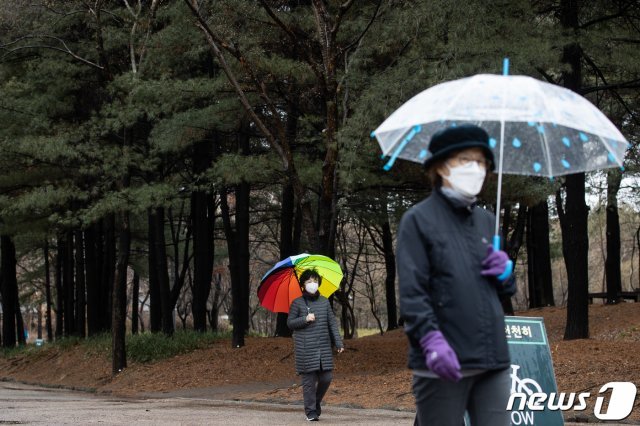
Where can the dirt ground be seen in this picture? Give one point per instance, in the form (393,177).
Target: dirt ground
(371,373)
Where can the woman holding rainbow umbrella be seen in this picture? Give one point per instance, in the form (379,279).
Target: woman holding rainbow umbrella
(300,286)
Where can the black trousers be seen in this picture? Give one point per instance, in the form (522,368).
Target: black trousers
(314,386)
(483,396)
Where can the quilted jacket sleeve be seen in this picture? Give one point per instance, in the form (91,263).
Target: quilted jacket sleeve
(333,328)
(413,271)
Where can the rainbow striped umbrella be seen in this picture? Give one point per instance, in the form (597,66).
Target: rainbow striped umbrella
(280,286)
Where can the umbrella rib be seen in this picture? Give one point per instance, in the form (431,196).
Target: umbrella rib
(412,132)
(610,149)
(545,148)
(544,139)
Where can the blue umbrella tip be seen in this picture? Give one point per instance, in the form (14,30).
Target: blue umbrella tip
(387,167)
(373,134)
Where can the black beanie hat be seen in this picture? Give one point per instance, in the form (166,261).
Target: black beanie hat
(453,139)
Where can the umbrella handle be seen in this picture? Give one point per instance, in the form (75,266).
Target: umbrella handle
(509,269)
(496,242)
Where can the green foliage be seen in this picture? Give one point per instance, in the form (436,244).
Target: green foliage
(149,347)
(141,348)
(71,129)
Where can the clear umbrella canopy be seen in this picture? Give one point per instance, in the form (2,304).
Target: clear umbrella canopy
(548,130)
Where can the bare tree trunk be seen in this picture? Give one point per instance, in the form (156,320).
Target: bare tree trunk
(162,272)
(47,290)
(574,221)
(9,290)
(612,264)
(214,312)
(135,296)
(119,304)
(22,338)
(390,280)
(108,266)
(93,237)
(287,218)
(119,295)
(68,284)
(202,210)
(81,298)
(539,257)
(575,245)
(60,253)
(238,244)
(155,306)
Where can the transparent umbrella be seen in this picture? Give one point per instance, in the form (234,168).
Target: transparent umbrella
(535,128)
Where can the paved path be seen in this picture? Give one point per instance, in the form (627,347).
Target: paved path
(24,404)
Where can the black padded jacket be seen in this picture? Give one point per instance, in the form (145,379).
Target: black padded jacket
(313,341)
(440,250)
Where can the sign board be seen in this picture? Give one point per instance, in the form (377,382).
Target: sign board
(531,369)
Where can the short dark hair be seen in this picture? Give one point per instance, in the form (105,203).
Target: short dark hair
(310,273)
(432,173)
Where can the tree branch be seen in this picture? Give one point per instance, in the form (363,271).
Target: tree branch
(546,75)
(375,242)
(366,29)
(306,51)
(278,21)
(633,84)
(610,87)
(620,14)
(38,46)
(211,38)
(344,8)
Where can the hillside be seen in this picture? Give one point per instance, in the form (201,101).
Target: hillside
(371,373)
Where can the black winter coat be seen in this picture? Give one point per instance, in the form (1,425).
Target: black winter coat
(440,250)
(313,340)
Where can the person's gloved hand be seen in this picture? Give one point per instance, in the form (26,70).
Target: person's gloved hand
(439,356)
(497,264)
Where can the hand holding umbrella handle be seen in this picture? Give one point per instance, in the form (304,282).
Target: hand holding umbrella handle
(508,268)
(311,317)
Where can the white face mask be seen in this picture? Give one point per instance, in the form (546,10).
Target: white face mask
(467,179)
(311,287)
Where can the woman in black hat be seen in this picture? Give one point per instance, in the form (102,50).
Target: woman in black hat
(450,282)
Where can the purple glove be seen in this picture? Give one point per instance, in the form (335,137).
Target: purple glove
(496,263)
(439,356)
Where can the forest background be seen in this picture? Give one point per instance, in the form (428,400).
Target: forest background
(157,157)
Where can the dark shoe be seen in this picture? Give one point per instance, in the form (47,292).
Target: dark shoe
(312,418)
